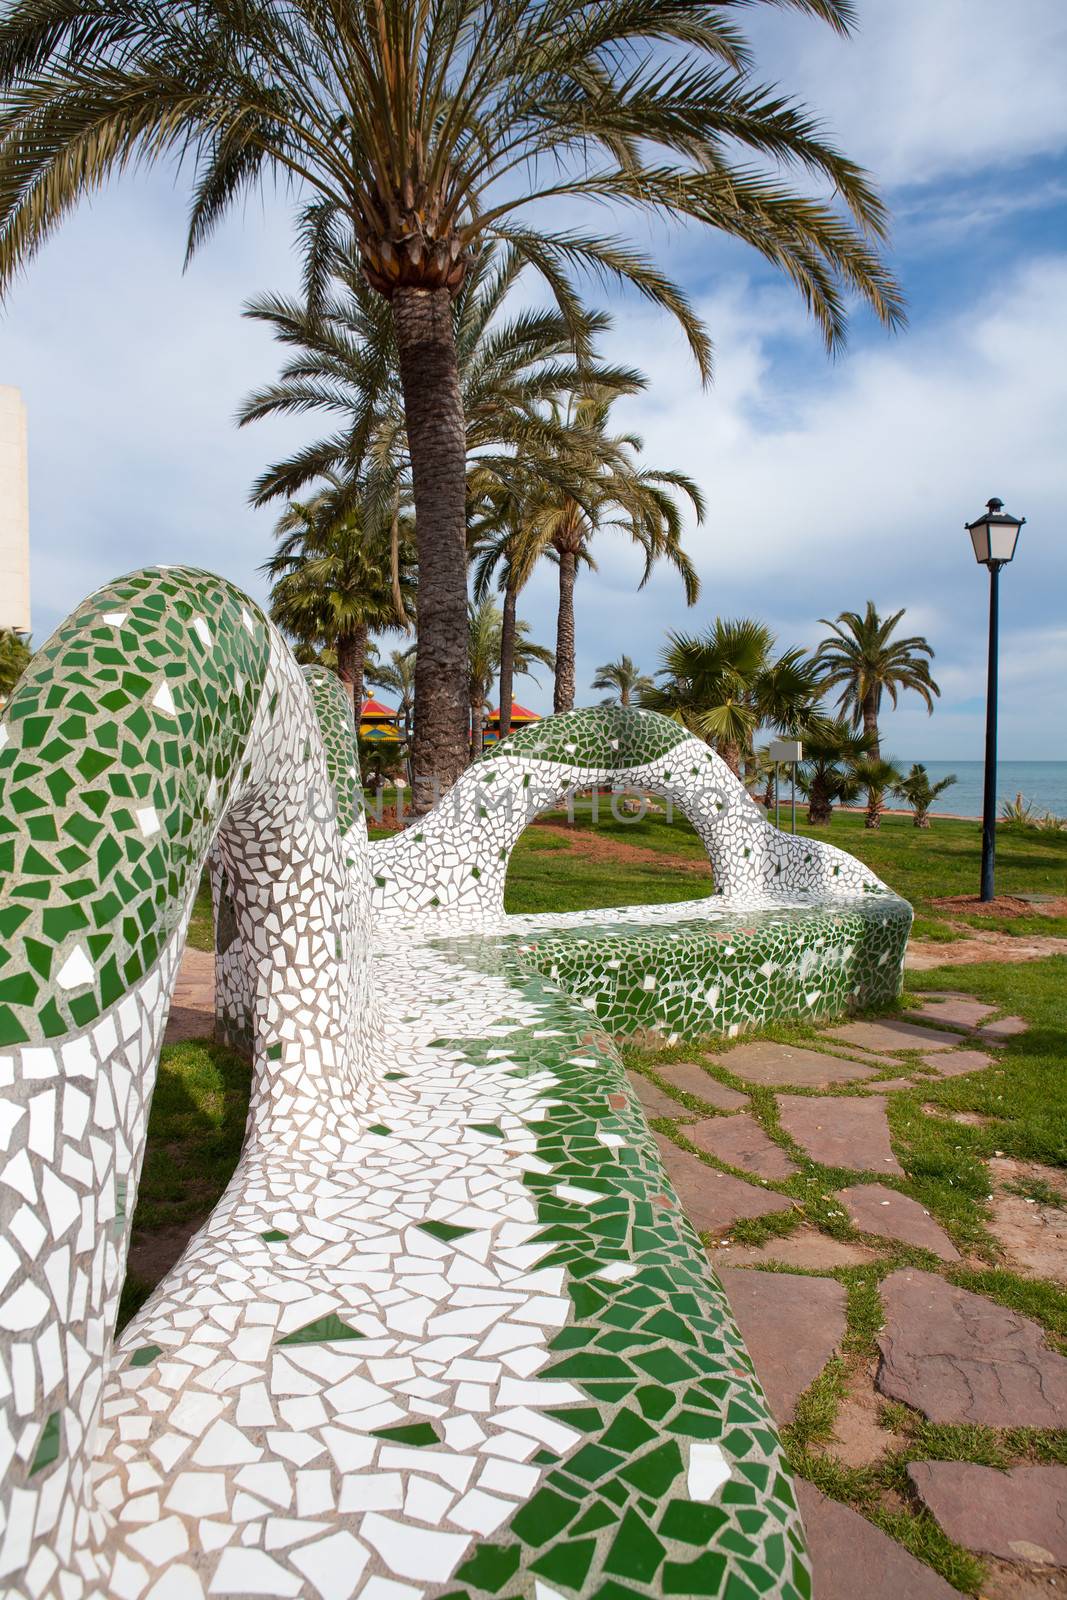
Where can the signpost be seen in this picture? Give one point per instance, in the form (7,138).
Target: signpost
(787,752)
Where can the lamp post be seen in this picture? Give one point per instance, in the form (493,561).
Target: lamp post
(994,536)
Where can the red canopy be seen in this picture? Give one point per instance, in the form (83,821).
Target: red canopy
(518,714)
(374,708)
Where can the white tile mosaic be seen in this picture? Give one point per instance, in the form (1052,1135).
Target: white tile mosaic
(447,1330)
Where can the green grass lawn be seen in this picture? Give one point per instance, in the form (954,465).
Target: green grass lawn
(921,864)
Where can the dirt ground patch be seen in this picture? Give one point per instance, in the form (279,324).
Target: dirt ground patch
(153,1254)
(1002,906)
(978,947)
(601,847)
(859,1437)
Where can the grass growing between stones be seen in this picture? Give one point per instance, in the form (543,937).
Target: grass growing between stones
(1021,1099)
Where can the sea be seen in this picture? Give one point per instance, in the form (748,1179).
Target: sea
(1042,783)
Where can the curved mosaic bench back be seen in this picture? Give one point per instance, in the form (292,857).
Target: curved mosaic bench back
(448,1321)
(456,858)
(796,928)
(163,715)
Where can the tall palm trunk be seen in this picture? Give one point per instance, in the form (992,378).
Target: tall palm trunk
(872,704)
(351,660)
(477,734)
(433,411)
(563,699)
(507,659)
(875,807)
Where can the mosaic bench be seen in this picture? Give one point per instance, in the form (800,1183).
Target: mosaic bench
(796,927)
(447,1331)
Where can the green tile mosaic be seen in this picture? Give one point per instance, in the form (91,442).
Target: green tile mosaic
(159,720)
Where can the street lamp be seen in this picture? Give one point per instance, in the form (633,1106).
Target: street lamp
(994,536)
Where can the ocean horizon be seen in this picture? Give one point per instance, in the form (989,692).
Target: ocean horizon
(1042,783)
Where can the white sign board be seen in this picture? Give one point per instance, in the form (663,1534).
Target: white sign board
(14,514)
(785,750)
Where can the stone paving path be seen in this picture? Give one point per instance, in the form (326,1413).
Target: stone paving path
(944,1355)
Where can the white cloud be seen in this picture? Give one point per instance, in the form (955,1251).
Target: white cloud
(827,485)
(923,89)
(131,373)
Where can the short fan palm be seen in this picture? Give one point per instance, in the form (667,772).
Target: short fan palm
(727,683)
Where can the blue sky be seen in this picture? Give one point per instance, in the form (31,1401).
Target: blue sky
(828,482)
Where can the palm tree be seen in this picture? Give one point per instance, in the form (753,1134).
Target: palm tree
(486,632)
(333,585)
(920,793)
(877,776)
(397,677)
(346,365)
(624,678)
(423,129)
(513,502)
(727,683)
(864,660)
(513,372)
(830,772)
(609,490)
(502,546)
(15,657)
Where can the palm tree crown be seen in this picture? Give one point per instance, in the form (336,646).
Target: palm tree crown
(727,683)
(624,679)
(609,490)
(864,660)
(345,365)
(422,128)
(333,584)
(486,638)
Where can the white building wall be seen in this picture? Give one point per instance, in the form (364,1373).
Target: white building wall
(14,514)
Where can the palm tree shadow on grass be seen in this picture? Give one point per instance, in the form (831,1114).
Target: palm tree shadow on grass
(196,1129)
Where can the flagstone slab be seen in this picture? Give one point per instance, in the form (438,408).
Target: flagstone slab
(1020,1515)
(741,1142)
(850,1557)
(792,1327)
(690,1078)
(1032,1233)
(888,1034)
(840,1131)
(1006,1028)
(806,1249)
(958,1357)
(959,1062)
(655,1101)
(964,1010)
(892,1085)
(772,1064)
(714,1200)
(874,1208)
